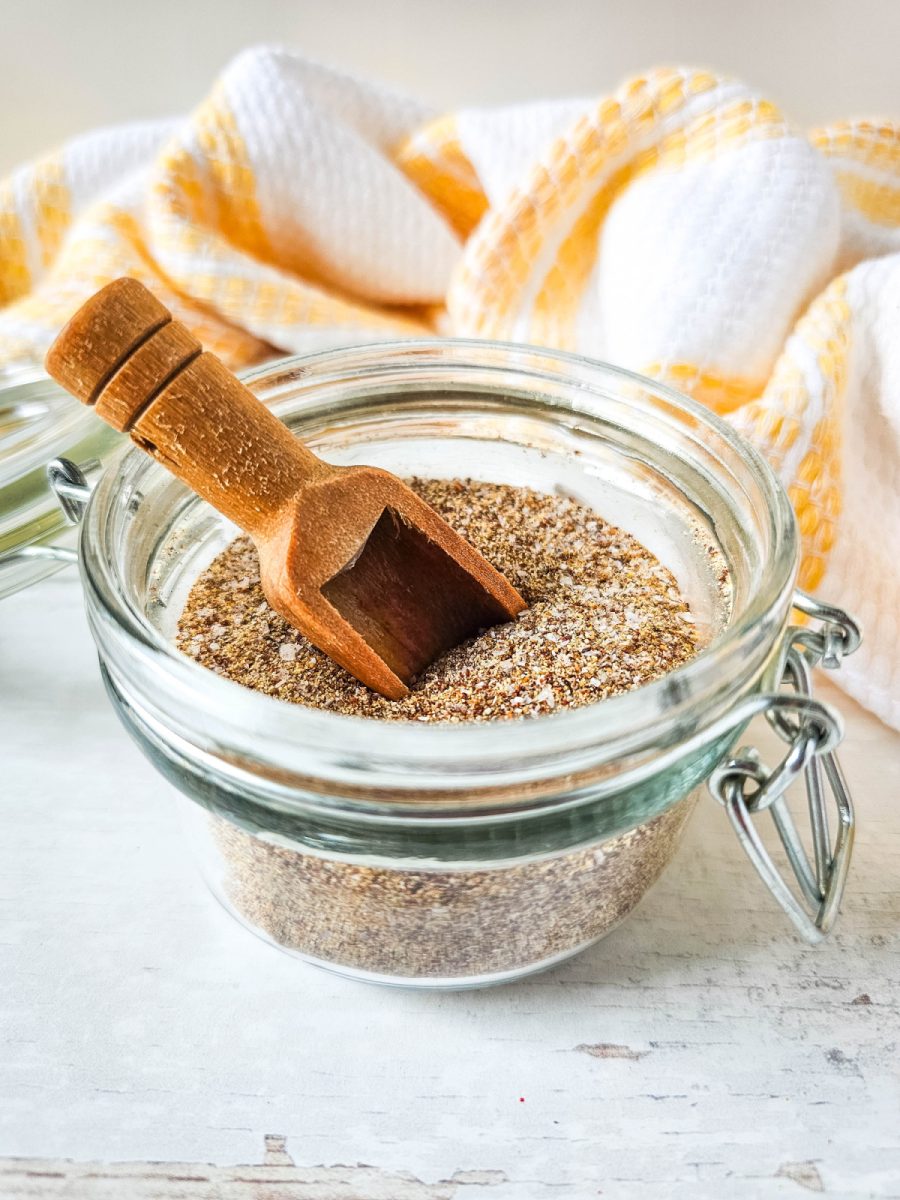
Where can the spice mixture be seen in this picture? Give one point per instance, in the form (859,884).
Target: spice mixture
(604,616)
(441,923)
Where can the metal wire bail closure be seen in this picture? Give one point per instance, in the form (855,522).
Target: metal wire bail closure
(70,486)
(746,788)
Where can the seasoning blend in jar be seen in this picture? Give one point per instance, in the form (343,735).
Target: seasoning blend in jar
(604,617)
(523,797)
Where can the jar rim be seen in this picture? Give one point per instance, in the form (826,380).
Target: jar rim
(611,728)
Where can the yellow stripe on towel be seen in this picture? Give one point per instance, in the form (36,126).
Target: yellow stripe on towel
(434,160)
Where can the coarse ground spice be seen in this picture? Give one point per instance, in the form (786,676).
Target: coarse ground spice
(604,616)
(460,924)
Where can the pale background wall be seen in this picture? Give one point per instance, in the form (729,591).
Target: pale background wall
(68,65)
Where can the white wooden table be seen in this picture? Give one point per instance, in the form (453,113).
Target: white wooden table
(149,1047)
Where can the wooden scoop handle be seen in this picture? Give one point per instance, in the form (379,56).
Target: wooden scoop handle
(145,374)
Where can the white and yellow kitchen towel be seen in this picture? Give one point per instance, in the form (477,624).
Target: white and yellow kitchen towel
(680,227)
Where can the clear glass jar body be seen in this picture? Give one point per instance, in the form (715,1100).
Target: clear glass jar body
(38,421)
(457,855)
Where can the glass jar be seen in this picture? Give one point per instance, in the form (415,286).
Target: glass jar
(469,854)
(39,421)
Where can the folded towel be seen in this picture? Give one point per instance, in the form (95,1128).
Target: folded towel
(680,227)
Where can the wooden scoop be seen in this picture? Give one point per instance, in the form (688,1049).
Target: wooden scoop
(349,555)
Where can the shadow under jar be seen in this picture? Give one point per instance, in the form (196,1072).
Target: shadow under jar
(452,855)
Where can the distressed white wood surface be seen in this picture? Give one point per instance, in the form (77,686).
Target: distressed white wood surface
(701,1051)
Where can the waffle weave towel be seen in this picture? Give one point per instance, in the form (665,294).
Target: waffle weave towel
(679,227)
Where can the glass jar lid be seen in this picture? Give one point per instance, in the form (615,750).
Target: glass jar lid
(38,423)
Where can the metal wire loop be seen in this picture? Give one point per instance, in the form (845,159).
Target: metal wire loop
(70,485)
(72,490)
(746,788)
(838,636)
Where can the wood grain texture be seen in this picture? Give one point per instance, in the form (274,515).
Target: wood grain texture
(144,374)
(276,1177)
(100,337)
(208,429)
(700,1052)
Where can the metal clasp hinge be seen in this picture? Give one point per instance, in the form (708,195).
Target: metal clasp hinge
(72,490)
(812,730)
(70,486)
